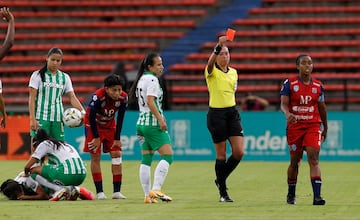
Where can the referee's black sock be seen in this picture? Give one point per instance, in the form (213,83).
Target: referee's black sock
(231,164)
(220,171)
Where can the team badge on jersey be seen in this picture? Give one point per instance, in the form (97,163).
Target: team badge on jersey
(296,88)
(314,90)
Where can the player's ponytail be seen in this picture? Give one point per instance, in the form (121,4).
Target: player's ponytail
(148,60)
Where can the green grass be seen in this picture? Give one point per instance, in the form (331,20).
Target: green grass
(258,188)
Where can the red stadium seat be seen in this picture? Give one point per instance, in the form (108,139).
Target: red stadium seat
(81,69)
(127,13)
(101,46)
(102,35)
(77,58)
(314,20)
(104,24)
(304,9)
(296,32)
(267,76)
(286,55)
(91,3)
(188,67)
(277,44)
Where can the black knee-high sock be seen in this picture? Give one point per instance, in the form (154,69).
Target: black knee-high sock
(220,171)
(231,164)
(291,186)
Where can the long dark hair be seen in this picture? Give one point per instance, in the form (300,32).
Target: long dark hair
(148,60)
(11,189)
(43,69)
(42,135)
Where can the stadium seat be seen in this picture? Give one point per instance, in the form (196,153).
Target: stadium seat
(122,14)
(105,24)
(101,46)
(68,3)
(300,21)
(81,69)
(96,35)
(285,55)
(261,67)
(296,32)
(77,58)
(293,44)
(305,10)
(266,76)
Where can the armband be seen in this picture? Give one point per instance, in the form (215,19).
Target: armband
(217,49)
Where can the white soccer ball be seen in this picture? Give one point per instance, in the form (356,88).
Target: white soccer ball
(72,117)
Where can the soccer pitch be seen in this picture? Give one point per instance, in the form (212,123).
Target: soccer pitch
(258,188)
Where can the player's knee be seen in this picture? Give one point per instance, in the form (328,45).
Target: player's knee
(168,158)
(114,154)
(147,159)
(116,160)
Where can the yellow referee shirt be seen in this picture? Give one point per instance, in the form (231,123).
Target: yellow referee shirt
(222,87)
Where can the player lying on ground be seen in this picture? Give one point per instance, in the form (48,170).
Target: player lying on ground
(36,187)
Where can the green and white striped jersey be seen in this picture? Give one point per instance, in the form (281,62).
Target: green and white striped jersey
(48,103)
(148,85)
(65,157)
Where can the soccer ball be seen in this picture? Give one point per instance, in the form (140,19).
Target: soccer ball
(72,117)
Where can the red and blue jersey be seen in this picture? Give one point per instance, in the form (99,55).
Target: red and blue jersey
(304,98)
(101,112)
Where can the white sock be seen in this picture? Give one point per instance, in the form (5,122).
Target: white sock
(160,174)
(145,178)
(44,182)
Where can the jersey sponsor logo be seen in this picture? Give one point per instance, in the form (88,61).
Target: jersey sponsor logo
(53,85)
(304,117)
(304,100)
(303,109)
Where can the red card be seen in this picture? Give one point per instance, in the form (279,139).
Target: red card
(230,34)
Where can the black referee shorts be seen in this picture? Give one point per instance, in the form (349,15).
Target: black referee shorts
(224,123)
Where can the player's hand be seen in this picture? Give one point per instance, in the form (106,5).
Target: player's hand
(6,14)
(94,144)
(222,40)
(291,118)
(323,135)
(3,122)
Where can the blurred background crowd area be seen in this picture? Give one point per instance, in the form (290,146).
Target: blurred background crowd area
(111,36)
